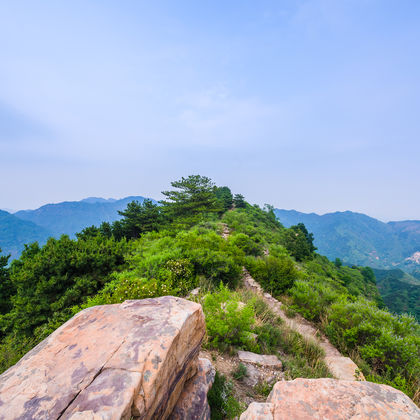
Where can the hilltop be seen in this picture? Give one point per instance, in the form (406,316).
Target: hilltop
(198,243)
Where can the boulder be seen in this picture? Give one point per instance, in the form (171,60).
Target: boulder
(329,399)
(193,404)
(108,362)
(259,359)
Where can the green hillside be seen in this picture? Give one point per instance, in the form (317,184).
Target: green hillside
(359,239)
(399,290)
(181,245)
(14,233)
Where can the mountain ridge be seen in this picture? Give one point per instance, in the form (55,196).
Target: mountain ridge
(70,217)
(15,233)
(359,239)
(56,219)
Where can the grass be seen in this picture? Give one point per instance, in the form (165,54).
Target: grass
(302,358)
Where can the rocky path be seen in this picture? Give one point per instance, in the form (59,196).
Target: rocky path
(340,366)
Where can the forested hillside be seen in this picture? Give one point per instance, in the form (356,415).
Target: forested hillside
(400,291)
(71,217)
(172,248)
(14,233)
(359,239)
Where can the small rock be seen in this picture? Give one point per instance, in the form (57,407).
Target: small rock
(253,375)
(259,359)
(194,292)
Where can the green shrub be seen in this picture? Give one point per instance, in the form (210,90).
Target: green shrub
(268,338)
(228,321)
(223,404)
(263,388)
(275,274)
(246,244)
(312,298)
(240,372)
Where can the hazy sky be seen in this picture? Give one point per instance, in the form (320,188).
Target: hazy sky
(312,105)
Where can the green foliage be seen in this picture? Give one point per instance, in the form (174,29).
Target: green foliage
(387,345)
(268,338)
(53,278)
(239,201)
(256,223)
(139,218)
(301,357)
(263,388)
(223,404)
(173,247)
(313,297)
(229,322)
(299,242)
(240,372)
(400,292)
(275,274)
(6,286)
(225,197)
(193,197)
(248,245)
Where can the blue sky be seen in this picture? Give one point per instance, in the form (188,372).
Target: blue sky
(312,105)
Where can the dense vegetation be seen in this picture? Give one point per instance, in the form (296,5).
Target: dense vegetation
(178,245)
(400,291)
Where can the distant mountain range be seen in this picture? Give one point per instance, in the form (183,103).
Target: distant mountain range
(68,218)
(14,233)
(362,240)
(353,237)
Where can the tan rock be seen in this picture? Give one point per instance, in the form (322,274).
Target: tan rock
(108,362)
(258,411)
(343,368)
(328,399)
(193,404)
(259,359)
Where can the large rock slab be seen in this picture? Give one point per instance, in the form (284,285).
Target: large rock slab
(328,399)
(260,359)
(108,362)
(193,404)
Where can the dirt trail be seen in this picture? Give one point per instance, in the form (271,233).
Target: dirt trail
(340,366)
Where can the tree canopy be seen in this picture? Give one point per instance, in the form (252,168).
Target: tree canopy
(193,196)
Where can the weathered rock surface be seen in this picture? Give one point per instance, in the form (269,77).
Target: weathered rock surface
(193,404)
(327,399)
(108,362)
(259,359)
